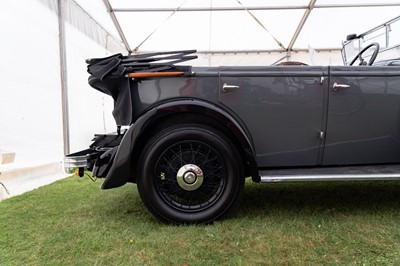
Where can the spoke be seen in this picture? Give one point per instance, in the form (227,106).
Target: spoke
(180,154)
(171,192)
(170,166)
(213,171)
(191,152)
(206,156)
(210,160)
(215,185)
(200,197)
(169,180)
(191,197)
(197,151)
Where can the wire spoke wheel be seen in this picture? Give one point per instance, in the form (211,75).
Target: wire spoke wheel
(190,174)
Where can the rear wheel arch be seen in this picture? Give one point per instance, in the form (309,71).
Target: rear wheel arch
(203,113)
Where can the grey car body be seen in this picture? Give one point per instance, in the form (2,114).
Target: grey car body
(192,134)
(284,116)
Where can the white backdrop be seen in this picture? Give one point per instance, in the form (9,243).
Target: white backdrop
(30,85)
(30,94)
(90,110)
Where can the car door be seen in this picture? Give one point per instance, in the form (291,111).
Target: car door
(284,109)
(364,116)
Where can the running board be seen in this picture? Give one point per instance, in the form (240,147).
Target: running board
(354,173)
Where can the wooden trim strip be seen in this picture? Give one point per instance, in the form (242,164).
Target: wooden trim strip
(139,75)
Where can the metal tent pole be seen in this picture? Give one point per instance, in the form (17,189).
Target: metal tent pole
(117,26)
(63,75)
(301,24)
(253,8)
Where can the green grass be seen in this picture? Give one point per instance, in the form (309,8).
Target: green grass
(73,222)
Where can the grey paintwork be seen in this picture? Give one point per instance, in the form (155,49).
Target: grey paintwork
(283,109)
(363,123)
(293,115)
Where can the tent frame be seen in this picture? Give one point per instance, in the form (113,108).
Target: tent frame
(63,75)
(307,11)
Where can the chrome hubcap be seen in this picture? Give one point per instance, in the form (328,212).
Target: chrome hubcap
(190,177)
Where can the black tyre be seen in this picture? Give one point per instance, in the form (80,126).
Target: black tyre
(190,174)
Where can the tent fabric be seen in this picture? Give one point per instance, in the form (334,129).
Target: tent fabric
(30,101)
(90,112)
(328,23)
(84,22)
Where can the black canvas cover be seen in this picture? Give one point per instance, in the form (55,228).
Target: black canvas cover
(109,75)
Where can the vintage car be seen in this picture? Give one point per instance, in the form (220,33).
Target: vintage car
(189,136)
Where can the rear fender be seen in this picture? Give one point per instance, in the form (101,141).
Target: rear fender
(122,171)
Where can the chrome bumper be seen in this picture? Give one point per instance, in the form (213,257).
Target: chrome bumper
(76,164)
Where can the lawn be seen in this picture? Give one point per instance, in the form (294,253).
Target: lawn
(73,222)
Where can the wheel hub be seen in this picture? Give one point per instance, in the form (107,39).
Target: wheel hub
(190,177)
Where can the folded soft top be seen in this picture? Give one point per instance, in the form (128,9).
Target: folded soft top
(111,75)
(118,65)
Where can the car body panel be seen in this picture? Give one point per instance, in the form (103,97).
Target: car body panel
(283,107)
(364,119)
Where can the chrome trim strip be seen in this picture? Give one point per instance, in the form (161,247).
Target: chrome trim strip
(329,177)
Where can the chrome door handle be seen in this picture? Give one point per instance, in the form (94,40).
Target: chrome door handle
(226,87)
(336,86)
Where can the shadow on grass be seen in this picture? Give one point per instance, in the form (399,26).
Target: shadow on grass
(266,200)
(335,197)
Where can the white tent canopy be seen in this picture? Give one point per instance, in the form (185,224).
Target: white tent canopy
(233,32)
(232,25)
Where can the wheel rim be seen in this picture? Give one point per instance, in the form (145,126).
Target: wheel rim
(190,176)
